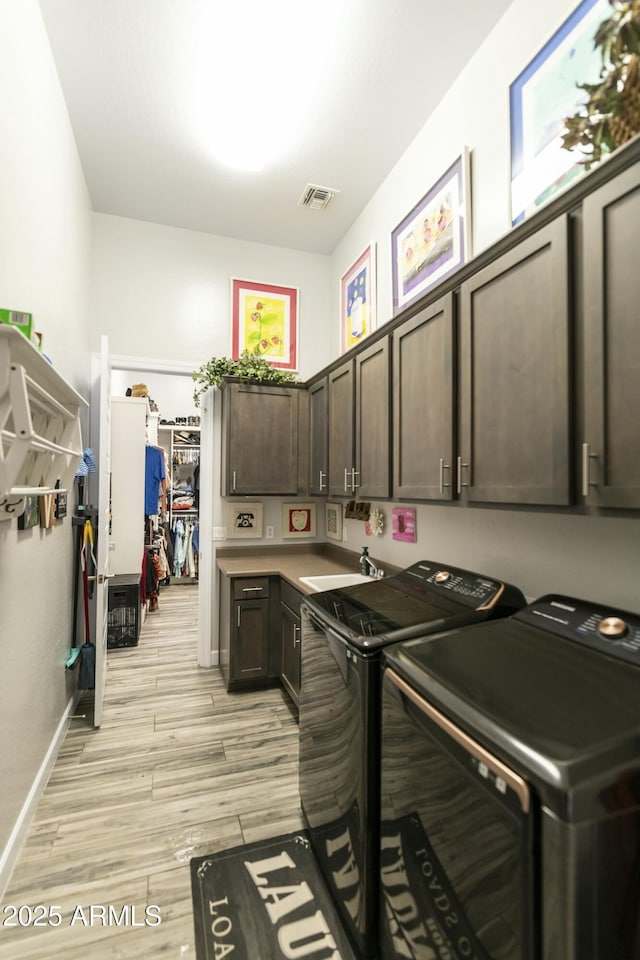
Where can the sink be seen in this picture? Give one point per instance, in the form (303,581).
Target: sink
(335,581)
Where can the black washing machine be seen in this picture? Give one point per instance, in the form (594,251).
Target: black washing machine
(511,789)
(343,635)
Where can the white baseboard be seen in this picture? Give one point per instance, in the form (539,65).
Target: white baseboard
(10,853)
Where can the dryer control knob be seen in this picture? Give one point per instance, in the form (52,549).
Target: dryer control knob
(612,628)
(441,576)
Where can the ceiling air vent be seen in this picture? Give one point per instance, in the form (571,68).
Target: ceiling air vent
(316,198)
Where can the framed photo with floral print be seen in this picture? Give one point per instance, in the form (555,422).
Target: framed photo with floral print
(358,300)
(434,238)
(244,520)
(298,520)
(264,322)
(404,524)
(333,520)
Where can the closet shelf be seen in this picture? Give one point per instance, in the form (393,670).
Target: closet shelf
(40,437)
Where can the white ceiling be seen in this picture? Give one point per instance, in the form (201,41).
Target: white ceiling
(361,78)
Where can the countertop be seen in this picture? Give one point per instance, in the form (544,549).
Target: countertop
(290,562)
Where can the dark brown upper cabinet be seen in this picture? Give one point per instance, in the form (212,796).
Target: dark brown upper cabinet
(260,435)
(423,404)
(610,446)
(515,375)
(319,437)
(359,418)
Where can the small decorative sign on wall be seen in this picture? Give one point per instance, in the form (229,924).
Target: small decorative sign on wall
(404,524)
(298,520)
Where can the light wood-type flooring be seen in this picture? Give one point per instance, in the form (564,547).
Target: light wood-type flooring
(179,769)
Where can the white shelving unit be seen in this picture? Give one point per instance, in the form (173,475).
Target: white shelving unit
(40,436)
(129,423)
(183,457)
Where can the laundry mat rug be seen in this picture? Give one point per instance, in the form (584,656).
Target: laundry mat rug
(265,901)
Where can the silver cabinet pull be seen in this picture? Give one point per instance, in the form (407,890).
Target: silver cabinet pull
(323,485)
(354,473)
(346,479)
(233,481)
(296,635)
(587,457)
(443,466)
(252,589)
(239,609)
(461,465)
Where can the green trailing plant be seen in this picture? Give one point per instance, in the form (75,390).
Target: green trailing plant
(611,114)
(248,367)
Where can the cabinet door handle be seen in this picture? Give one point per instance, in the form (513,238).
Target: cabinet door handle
(323,485)
(233,481)
(443,466)
(587,457)
(346,480)
(296,635)
(354,473)
(239,609)
(461,466)
(251,589)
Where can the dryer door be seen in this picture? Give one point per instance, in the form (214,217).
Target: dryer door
(457,866)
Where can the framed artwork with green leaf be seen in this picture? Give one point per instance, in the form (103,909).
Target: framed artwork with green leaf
(264,322)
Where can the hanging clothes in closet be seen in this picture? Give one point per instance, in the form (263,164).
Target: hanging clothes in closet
(185,547)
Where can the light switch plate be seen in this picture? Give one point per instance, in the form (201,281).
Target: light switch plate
(219,533)
(269,533)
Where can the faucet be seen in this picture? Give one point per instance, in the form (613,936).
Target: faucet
(376,572)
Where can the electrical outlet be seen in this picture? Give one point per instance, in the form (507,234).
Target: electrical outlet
(269,533)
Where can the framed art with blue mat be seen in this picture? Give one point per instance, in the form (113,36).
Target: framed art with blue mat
(265,901)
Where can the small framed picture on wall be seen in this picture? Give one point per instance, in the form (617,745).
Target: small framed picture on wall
(244,520)
(298,520)
(333,521)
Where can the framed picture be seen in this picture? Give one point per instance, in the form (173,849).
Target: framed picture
(264,322)
(298,520)
(244,520)
(404,524)
(30,516)
(539,100)
(434,239)
(358,299)
(333,520)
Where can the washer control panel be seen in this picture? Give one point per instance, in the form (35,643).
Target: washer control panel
(614,632)
(478,591)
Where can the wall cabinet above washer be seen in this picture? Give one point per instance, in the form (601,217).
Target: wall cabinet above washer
(514,441)
(610,448)
(359,424)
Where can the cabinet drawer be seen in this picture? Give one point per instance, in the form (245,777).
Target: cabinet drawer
(250,588)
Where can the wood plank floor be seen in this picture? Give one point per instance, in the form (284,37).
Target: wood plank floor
(179,769)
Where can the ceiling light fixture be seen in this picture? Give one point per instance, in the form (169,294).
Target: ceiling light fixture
(259,72)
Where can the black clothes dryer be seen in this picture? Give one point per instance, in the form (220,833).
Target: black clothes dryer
(511,789)
(343,635)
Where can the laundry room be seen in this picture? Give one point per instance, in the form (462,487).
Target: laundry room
(286,397)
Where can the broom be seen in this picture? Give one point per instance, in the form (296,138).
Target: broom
(87,657)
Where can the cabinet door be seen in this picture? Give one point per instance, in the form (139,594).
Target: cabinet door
(261,440)
(341,457)
(319,436)
(610,474)
(423,404)
(290,651)
(250,641)
(372,420)
(514,370)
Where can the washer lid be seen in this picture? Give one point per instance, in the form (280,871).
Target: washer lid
(565,716)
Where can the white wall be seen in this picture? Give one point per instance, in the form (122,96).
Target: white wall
(45,237)
(164,292)
(590,557)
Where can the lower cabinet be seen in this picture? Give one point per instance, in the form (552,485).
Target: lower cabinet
(259,641)
(290,601)
(245,629)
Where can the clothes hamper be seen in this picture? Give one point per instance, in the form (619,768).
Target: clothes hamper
(123,620)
